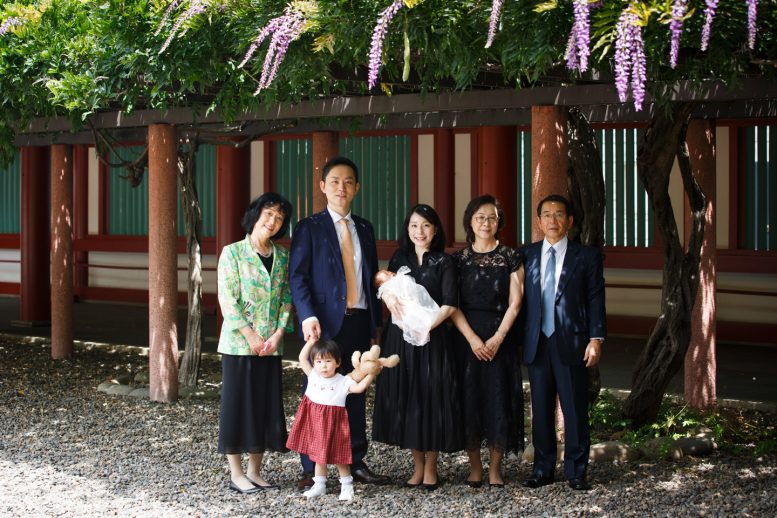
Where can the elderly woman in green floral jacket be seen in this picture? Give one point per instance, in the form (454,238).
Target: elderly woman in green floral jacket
(254,295)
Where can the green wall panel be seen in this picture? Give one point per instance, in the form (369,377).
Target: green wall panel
(127,205)
(293,176)
(205,180)
(525,216)
(759,209)
(629,219)
(384,176)
(11,197)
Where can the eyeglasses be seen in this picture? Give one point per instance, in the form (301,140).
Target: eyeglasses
(491,220)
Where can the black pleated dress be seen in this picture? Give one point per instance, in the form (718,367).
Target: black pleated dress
(417,402)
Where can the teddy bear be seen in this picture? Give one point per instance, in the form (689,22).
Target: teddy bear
(370,362)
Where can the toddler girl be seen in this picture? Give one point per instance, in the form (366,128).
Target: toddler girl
(320,428)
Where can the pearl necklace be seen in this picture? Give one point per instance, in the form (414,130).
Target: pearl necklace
(258,250)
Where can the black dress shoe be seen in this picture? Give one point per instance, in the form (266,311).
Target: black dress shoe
(535,482)
(430,487)
(497,485)
(248,491)
(363,475)
(306,482)
(579,484)
(409,485)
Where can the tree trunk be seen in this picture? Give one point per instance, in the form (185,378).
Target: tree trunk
(665,350)
(587,195)
(190,363)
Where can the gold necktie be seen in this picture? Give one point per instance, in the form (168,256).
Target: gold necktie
(346,249)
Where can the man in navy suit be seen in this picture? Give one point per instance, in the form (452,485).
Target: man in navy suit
(329,306)
(564,330)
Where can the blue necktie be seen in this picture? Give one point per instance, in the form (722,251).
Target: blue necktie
(549,295)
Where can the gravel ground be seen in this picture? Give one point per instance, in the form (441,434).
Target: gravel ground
(67,450)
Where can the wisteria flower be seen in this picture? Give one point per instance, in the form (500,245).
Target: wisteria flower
(8,24)
(281,30)
(581,32)
(496,13)
(630,63)
(378,34)
(195,7)
(752,7)
(679,8)
(709,14)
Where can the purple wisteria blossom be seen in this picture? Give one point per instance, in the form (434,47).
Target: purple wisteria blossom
(581,33)
(679,8)
(630,63)
(284,29)
(571,52)
(166,16)
(709,14)
(8,24)
(752,7)
(496,13)
(195,7)
(376,50)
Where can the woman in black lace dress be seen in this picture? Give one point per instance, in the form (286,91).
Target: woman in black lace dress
(416,403)
(490,292)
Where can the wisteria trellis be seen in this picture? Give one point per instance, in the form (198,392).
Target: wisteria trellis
(630,61)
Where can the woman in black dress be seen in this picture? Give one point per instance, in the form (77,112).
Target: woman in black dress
(490,292)
(416,403)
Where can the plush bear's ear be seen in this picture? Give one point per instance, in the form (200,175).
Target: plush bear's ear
(355,359)
(375,352)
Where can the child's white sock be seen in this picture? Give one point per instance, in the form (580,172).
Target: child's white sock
(346,488)
(318,489)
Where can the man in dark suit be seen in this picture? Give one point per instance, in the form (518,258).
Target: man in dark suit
(563,334)
(333,261)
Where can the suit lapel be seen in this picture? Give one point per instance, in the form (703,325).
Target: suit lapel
(570,263)
(330,234)
(533,267)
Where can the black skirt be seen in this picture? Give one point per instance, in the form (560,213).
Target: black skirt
(417,402)
(251,419)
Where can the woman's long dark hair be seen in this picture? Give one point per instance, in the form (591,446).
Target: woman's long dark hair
(430,215)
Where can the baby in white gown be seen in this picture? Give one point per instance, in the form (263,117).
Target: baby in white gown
(416,310)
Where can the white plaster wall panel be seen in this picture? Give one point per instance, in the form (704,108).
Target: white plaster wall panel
(426,169)
(747,308)
(642,302)
(677,195)
(722,176)
(463,180)
(10,272)
(257,168)
(136,276)
(133,275)
(93,192)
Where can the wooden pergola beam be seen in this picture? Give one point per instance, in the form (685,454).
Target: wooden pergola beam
(753,98)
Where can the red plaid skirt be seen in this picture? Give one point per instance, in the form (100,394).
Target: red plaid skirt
(321,432)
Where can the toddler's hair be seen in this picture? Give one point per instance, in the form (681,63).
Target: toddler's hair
(326,348)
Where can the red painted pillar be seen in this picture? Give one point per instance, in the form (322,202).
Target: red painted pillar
(233,188)
(162,263)
(326,144)
(35,289)
(444,182)
(700,363)
(498,173)
(549,160)
(61,251)
(549,147)
(80,216)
